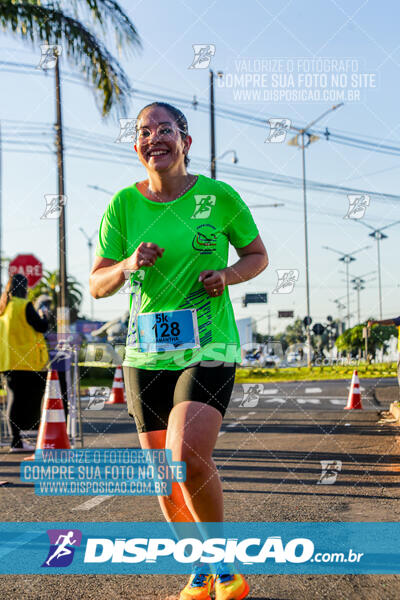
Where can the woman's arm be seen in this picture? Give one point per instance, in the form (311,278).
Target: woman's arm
(108,275)
(253,260)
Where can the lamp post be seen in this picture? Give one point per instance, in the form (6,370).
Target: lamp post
(235,159)
(63,313)
(358,283)
(213,167)
(340,306)
(378,236)
(90,246)
(347,259)
(302,133)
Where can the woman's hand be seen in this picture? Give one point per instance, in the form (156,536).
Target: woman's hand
(214,282)
(145,255)
(109,275)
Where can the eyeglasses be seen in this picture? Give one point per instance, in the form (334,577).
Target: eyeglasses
(163,132)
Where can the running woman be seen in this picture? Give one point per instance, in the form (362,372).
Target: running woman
(167,239)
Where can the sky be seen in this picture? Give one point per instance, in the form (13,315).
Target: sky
(288,60)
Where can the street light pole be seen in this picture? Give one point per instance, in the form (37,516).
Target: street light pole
(308,332)
(347,258)
(63,317)
(358,286)
(358,282)
(90,246)
(378,236)
(213,159)
(235,159)
(295,141)
(212,126)
(339,307)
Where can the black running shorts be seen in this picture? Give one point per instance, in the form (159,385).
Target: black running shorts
(151,395)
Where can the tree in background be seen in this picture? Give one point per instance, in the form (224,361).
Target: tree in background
(50,285)
(353,343)
(67,23)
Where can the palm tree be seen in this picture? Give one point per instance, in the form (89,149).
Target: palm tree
(52,23)
(50,285)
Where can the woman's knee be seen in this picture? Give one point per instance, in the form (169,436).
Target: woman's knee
(195,462)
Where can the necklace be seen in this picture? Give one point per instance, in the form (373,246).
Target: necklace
(186,187)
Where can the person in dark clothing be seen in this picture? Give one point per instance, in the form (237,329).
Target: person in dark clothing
(23,357)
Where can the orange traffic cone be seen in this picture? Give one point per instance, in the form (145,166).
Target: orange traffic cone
(53,430)
(117,395)
(354,400)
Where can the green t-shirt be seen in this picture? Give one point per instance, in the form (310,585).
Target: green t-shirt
(195,230)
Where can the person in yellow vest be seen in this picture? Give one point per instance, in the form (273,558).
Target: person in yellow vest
(23,358)
(396,322)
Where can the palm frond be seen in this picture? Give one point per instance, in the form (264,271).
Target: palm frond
(48,24)
(108,13)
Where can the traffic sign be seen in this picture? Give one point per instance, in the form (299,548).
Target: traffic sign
(285,314)
(254,298)
(307,321)
(28,265)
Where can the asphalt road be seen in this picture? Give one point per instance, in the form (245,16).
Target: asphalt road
(268,455)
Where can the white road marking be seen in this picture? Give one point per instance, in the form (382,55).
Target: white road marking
(92,503)
(270,400)
(308,400)
(337,401)
(243,418)
(269,392)
(313,390)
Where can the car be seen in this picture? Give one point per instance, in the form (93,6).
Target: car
(253,358)
(271,360)
(293,357)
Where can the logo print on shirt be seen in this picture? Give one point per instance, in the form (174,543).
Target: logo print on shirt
(205,240)
(203,207)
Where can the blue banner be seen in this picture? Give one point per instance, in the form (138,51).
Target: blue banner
(153,548)
(103,471)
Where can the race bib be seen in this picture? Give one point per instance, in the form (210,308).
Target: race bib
(168,331)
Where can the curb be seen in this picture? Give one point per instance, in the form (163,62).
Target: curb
(395,410)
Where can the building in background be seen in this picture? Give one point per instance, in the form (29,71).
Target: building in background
(247,328)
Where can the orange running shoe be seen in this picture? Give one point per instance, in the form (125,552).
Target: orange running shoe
(230,586)
(199,586)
